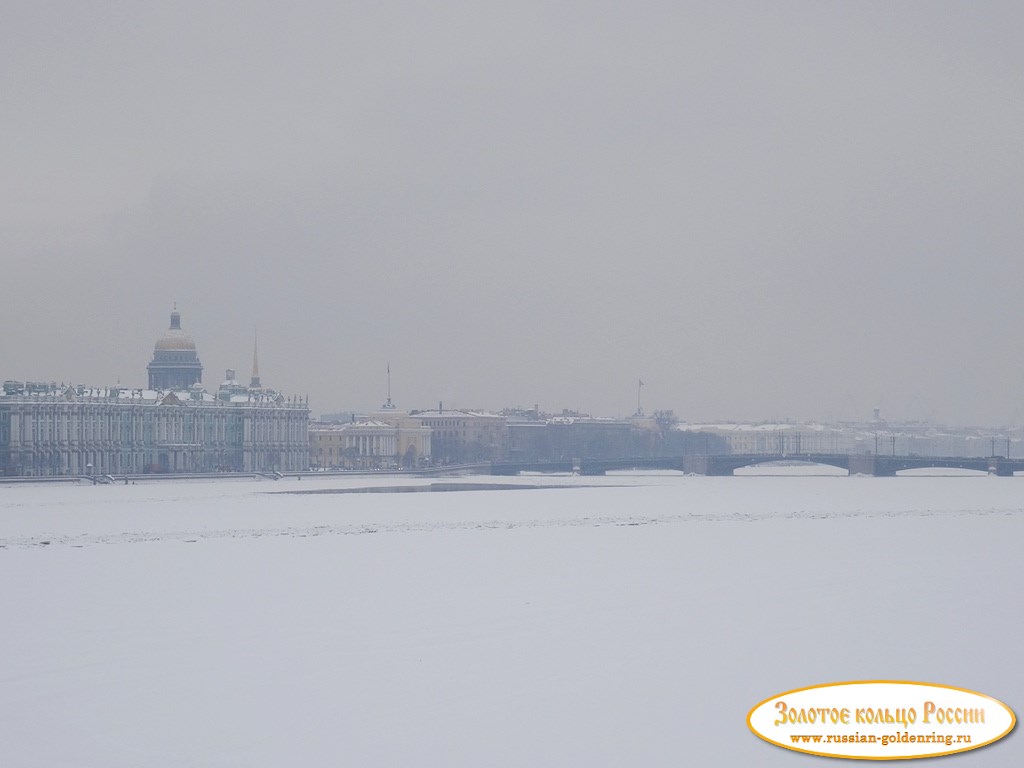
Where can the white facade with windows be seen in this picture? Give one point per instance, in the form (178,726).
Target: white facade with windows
(353,445)
(79,431)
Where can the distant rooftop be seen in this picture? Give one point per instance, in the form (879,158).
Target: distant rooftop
(17,391)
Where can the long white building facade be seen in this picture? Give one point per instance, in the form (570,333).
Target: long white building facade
(50,429)
(110,431)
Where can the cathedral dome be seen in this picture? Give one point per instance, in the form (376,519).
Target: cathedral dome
(175,363)
(175,339)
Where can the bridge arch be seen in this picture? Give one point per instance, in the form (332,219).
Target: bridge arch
(793,467)
(944,471)
(727,465)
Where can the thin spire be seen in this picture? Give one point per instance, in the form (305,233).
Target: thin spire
(388,405)
(254,383)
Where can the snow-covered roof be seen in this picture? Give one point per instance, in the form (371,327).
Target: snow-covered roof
(194,395)
(456,414)
(586,420)
(320,426)
(733,427)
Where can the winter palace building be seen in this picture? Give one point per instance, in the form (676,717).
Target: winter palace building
(172,426)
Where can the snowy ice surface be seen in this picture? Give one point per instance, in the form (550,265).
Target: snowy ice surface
(634,623)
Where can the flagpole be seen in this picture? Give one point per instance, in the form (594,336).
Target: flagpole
(388,406)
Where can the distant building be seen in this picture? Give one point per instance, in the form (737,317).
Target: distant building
(80,431)
(363,444)
(567,437)
(175,364)
(383,439)
(413,440)
(464,436)
(907,438)
(173,426)
(534,436)
(772,438)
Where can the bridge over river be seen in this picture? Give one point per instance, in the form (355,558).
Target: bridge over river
(855,464)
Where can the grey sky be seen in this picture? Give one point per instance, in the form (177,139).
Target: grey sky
(792,209)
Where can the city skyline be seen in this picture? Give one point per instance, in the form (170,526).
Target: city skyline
(803,210)
(177,331)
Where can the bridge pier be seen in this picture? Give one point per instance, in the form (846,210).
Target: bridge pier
(695,465)
(1001,468)
(721,468)
(863,464)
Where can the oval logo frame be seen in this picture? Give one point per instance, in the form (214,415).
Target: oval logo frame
(881,720)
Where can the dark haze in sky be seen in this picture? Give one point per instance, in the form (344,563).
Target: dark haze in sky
(763,210)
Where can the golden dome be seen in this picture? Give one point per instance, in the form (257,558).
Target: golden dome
(175,339)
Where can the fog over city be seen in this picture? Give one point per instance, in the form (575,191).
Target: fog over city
(796,210)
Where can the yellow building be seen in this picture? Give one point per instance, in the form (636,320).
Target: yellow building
(465,436)
(383,440)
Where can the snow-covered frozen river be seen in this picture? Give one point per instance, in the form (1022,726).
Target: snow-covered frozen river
(631,620)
